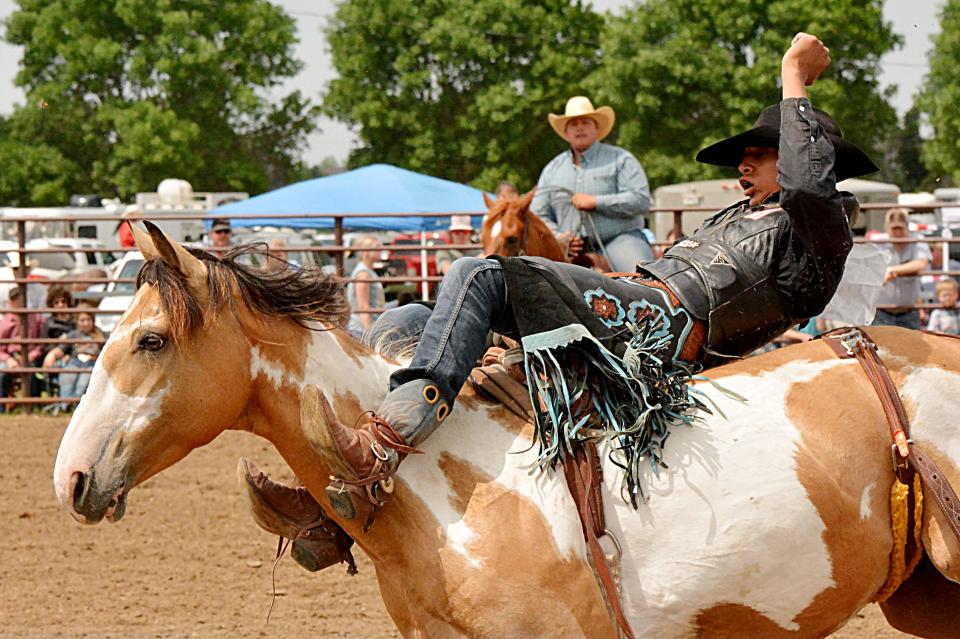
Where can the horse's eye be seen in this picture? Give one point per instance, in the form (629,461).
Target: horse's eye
(152,343)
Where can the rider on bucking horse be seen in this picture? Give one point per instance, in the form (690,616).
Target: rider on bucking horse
(749,273)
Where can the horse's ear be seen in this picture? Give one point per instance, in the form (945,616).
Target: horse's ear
(177,257)
(527,199)
(143,241)
(487,201)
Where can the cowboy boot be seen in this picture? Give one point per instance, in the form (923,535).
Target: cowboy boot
(293,513)
(364,460)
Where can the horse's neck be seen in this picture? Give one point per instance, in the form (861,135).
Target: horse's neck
(352,378)
(471,449)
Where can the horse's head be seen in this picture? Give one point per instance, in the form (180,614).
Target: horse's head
(506,226)
(178,368)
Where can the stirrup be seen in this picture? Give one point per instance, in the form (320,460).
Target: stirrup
(407,416)
(348,496)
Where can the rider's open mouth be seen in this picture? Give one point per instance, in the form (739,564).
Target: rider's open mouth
(745,184)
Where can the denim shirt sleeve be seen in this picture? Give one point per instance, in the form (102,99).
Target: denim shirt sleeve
(540,206)
(815,245)
(633,192)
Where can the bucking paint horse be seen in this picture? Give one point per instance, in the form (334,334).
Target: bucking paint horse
(771,520)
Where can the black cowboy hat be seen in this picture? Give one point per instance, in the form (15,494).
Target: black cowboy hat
(851,161)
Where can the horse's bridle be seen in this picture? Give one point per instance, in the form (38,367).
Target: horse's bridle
(523,236)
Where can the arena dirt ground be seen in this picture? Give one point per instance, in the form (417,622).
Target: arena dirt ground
(186,560)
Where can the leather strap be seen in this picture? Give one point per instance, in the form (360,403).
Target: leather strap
(584,479)
(935,481)
(907,456)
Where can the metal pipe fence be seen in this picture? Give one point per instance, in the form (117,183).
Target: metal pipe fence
(336,252)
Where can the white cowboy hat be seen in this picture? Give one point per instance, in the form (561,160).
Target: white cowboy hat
(578,107)
(460,223)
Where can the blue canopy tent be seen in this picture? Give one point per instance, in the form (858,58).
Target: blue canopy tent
(378,188)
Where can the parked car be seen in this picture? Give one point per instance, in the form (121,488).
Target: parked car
(411,260)
(54,265)
(118,294)
(51,266)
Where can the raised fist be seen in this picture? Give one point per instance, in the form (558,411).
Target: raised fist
(807,56)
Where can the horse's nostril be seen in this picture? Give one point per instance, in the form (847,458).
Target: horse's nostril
(512,240)
(78,487)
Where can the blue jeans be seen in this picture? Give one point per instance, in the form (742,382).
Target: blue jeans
(401,324)
(75,384)
(626,249)
(910,319)
(471,302)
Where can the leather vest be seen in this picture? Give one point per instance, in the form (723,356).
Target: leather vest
(721,277)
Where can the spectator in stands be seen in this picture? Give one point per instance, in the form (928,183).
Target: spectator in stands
(220,238)
(277,257)
(507,190)
(79,355)
(947,318)
(10,353)
(58,324)
(364,291)
(125,235)
(124,232)
(901,284)
(461,231)
(928,283)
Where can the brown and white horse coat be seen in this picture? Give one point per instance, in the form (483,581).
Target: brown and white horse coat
(771,521)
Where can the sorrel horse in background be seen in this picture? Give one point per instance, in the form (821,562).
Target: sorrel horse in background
(772,518)
(511,229)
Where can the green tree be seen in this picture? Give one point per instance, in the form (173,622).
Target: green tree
(903,162)
(685,73)
(126,93)
(31,174)
(940,99)
(459,90)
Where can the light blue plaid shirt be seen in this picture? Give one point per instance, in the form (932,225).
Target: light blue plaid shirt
(610,174)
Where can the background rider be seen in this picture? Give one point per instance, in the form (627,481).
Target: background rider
(594,190)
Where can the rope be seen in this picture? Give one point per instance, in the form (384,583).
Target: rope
(282,545)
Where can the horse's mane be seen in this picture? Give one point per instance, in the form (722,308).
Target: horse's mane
(306,296)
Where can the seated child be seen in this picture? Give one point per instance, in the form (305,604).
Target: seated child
(76,356)
(946,319)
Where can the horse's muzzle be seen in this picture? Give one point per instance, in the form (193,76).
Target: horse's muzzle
(92,503)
